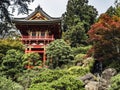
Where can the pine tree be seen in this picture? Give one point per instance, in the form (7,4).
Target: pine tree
(78,14)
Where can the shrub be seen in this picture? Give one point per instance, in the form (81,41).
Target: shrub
(49,76)
(79,71)
(7,84)
(58,53)
(67,82)
(81,50)
(115,82)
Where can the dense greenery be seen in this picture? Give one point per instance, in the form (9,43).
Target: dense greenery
(7,44)
(115,82)
(66,64)
(77,20)
(31,59)
(7,84)
(65,79)
(58,53)
(12,63)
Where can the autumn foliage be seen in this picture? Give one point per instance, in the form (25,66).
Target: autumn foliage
(105,36)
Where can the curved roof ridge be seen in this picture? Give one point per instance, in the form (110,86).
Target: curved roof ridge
(38,9)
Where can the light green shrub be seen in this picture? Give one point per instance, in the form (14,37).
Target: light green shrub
(115,83)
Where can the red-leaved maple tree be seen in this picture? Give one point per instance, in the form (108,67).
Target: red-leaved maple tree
(105,36)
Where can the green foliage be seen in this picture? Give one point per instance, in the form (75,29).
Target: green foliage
(12,63)
(49,76)
(41,86)
(79,58)
(68,83)
(115,82)
(76,35)
(21,5)
(7,44)
(31,59)
(110,11)
(58,53)
(64,83)
(79,11)
(80,50)
(77,20)
(7,84)
(59,79)
(78,70)
(4,28)
(25,78)
(114,11)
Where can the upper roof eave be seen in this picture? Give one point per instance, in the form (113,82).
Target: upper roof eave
(35,22)
(37,10)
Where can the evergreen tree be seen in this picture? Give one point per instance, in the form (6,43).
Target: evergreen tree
(110,11)
(21,5)
(58,53)
(114,10)
(12,63)
(78,14)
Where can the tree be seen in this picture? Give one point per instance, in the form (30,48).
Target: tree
(105,35)
(76,35)
(117,3)
(8,84)
(114,10)
(78,18)
(21,5)
(110,11)
(7,44)
(58,53)
(4,28)
(12,63)
(5,15)
(31,59)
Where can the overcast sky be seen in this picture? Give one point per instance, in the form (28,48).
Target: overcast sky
(56,8)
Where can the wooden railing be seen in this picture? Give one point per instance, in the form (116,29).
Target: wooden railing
(48,37)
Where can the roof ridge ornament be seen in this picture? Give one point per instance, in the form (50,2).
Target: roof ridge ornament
(38,8)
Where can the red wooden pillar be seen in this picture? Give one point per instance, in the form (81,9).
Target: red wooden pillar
(44,57)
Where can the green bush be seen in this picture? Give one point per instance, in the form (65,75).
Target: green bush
(49,76)
(58,53)
(78,70)
(59,79)
(78,58)
(7,84)
(67,82)
(80,50)
(115,83)
(25,78)
(41,86)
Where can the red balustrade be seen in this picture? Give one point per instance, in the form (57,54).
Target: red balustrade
(48,37)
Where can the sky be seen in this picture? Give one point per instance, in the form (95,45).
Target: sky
(55,8)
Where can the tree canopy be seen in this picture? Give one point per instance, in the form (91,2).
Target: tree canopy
(21,5)
(58,53)
(77,20)
(105,35)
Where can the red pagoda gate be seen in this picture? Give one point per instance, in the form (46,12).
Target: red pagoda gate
(38,30)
